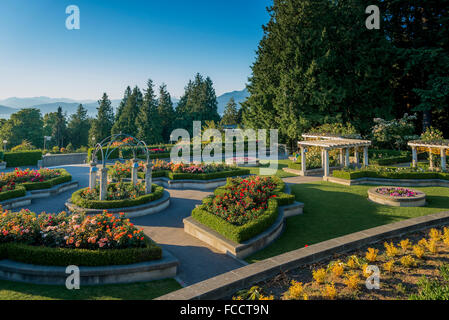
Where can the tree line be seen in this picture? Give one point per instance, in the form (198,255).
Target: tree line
(142,114)
(317,63)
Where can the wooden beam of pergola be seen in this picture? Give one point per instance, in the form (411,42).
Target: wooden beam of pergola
(443,145)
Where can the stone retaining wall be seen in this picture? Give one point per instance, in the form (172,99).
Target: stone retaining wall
(225,285)
(54,160)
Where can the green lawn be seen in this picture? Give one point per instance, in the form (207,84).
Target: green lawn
(138,291)
(332,210)
(280,173)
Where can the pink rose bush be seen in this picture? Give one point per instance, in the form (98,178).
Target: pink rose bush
(396,192)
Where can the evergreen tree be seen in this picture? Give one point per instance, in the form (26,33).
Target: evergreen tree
(148,123)
(318,63)
(199,103)
(102,124)
(126,124)
(166,112)
(59,132)
(230,115)
(116,127)
(26,124)
(78,128)
(419,33)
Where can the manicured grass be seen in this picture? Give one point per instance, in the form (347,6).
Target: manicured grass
(279,173)
(138,291)
(333,210)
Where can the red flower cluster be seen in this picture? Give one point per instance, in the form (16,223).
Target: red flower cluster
(243,200)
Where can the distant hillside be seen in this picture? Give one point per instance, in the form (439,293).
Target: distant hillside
(239,97)
(5,112)
(46,104)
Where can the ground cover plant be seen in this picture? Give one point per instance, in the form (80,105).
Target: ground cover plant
(333,210)
(413,267)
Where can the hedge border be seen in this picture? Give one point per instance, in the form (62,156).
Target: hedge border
(196,176)
(346,175)
(22,158)
(76,199)
(251,229)
(40,255)
(19,191)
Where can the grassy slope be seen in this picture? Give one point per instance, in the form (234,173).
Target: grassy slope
(137,291)
(333,210)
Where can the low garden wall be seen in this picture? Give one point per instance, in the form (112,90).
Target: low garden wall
(225,285)
(53,160)
(151,207)
(390,182)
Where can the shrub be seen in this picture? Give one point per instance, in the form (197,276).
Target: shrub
(78,200)
(22,158)
(394,134)
(388,173)
(18,191)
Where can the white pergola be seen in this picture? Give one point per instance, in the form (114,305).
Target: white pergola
(442,145)
(328,143)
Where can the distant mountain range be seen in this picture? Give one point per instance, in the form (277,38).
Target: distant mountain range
(46,104)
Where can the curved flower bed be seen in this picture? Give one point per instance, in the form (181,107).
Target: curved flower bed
(15,184)
(177,171)
(62,239)
(244,208)
(397,196)
(397,192)
(120,195)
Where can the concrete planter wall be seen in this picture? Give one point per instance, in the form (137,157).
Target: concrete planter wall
(242,250)
(166,267)
(36,194)
(190,184)
(416,201)
(131,212)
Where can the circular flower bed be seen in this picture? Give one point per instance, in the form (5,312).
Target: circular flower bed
(62,239)
(120,195)
(397,196)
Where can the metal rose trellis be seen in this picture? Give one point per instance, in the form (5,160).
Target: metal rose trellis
(106,149)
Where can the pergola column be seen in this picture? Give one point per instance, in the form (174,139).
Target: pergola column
(134,170)
(347,157)
(322,158)
(342,159)
(356,155)
(303,160)
(430,159)
(443,160)
(365,156)
(414,157)
(326,163)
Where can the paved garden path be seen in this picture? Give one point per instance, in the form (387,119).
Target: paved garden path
(198,261)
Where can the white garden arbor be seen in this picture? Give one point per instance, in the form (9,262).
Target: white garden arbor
(441,145)
(330,142)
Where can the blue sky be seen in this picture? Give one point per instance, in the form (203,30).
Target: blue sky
(125,42)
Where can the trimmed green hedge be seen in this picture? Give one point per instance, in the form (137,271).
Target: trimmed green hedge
(47,256)
(350,175)
(19,191)
(157,193)
(22,158)
(63,178)
(242,233)
(195,176)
